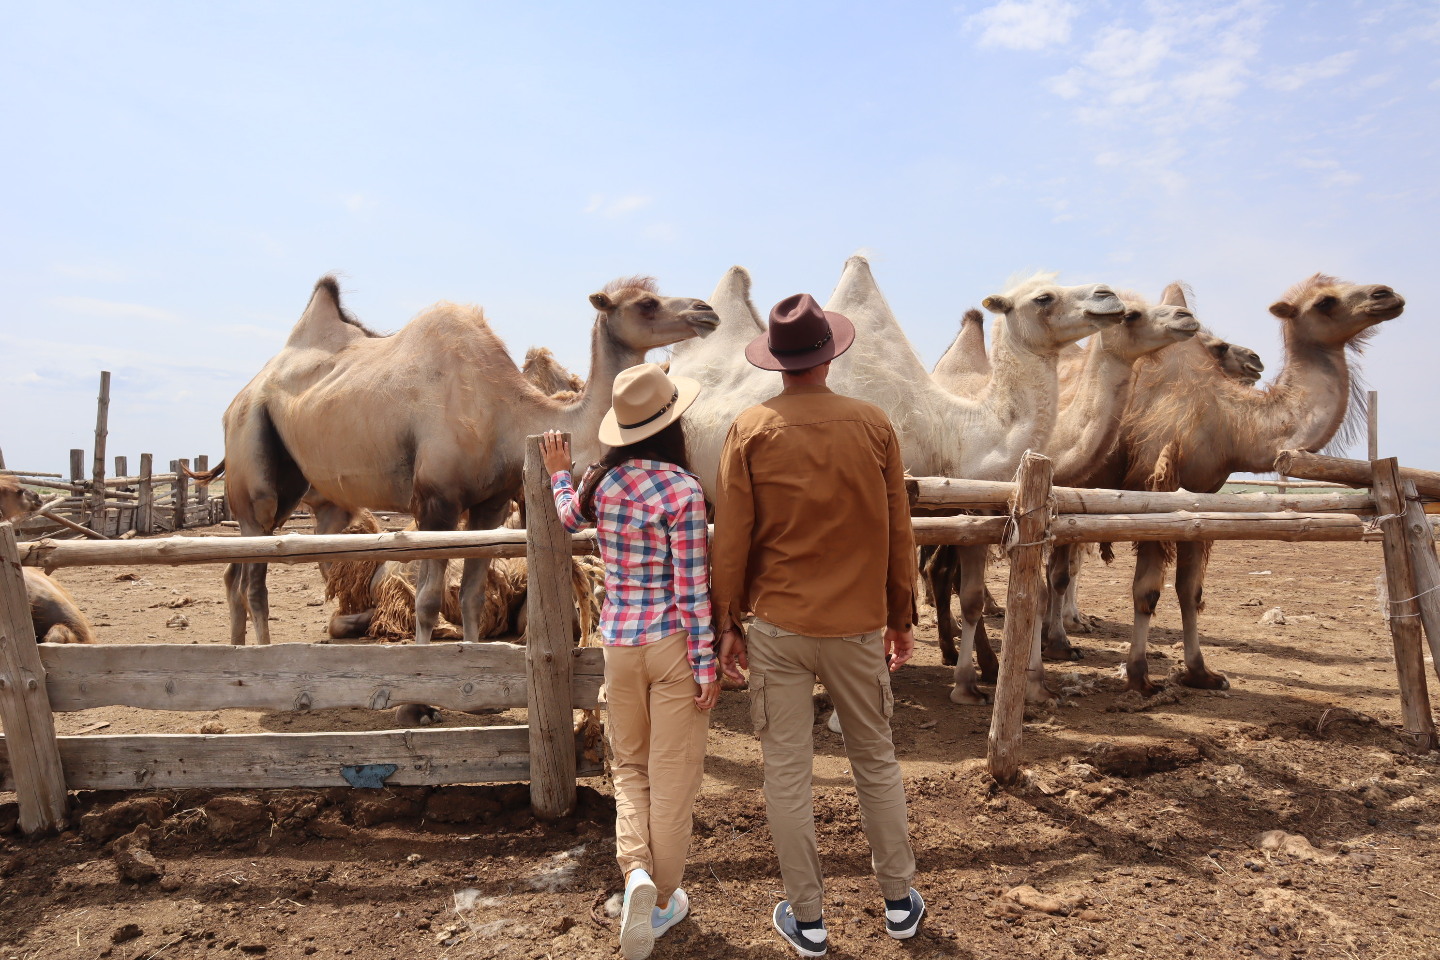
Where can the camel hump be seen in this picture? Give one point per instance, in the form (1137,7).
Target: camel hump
(326,324)
(857,289)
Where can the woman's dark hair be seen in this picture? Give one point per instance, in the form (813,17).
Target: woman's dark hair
(667,446)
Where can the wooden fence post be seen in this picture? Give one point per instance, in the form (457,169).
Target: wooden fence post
(122,466)
(549,646)
(1402,610)
(1426,568)
(1024,610)
(77,473)
(182,492)
(102,430)
(202,490)
(2,459)
(25,712)
(1372,423)
(145,505)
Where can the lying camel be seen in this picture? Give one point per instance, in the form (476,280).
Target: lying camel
(53,611)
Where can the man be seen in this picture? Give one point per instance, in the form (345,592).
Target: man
(813,536)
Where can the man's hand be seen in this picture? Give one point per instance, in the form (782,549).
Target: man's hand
(709,694)
(555,451)
(899,646)
(732,650)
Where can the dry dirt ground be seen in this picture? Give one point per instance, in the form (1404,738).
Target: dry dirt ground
(1137,825)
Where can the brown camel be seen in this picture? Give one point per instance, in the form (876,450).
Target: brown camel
(430,421)
(550,378)
(1189,426)
(52,610)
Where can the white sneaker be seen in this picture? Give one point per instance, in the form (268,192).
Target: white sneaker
(676,910)
(637,937)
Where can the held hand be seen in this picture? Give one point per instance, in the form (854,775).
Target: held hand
(709,694)
(555,451)
(899,646)
(732,650)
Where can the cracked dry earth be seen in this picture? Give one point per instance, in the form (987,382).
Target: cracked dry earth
(1236,824)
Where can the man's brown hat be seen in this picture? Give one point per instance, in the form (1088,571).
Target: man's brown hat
(801,335)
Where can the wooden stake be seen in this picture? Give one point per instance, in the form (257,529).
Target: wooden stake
(182,492)
(1024,610)
(77,472)
(1402,610)
(102,431)
(202,490)
(145,506)
(549,606)
(2,459)
(122,467)
(25,715)
(1372,423)
(1421,541)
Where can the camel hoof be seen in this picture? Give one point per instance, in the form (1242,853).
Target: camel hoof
(1144,687)
(1204,680)
(970,696)
(1082,624)
(949,659)
(416,715)
(834,722)
(989,674)
(1061,651)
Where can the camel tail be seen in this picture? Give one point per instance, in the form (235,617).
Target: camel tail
(205,476)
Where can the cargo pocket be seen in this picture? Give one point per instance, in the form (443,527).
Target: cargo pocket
(757,702)
(887,698)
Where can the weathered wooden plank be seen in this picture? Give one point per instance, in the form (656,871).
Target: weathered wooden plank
(1356,473)
(1420,539)
(38,776)
(292,548)
(1403,613)
(266,760)
(549,607)
(102,431)
(945,493)
(301,676)
(1294,527)
(1020,666)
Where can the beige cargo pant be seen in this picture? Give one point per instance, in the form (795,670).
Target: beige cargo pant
(783,669)
(657,737)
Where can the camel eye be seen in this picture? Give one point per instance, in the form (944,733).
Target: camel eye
(1045,299)
(1132,315)
(1326,304)
(648,304)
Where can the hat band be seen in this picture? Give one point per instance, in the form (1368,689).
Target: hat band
(654,416)
(815,346)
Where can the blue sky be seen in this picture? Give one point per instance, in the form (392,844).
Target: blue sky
(176,176)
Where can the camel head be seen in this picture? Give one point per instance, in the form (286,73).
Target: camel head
(635,315)
(1330,313)
(1240,364)
(1047,316)
(15,499)
(1146,327)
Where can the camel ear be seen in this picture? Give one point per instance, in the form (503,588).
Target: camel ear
(602,302)
(1284,309)
(999,303)
(1174,296)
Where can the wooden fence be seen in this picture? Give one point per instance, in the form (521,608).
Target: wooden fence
(548,676)
(38,679)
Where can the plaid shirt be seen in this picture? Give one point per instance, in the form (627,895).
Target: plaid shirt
(652,535)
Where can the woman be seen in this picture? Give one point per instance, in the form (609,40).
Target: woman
(660,670)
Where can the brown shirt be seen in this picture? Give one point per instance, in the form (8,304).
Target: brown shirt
(812,523)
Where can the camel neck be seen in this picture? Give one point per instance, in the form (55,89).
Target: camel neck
(1087,427)
(1024,391)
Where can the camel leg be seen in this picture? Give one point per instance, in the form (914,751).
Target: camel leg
(429,597)
(927,585)
(1145,591)
(992,606)
(1071,617)
(1035,689)
(1055,645)
(941,571)
(484,516)
(972,606)
(1191,561)
(235,599)
(972,565)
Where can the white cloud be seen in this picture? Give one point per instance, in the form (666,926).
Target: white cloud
(91,307)
(1334,175)
(1295,77)
(358,202)
(1025,24)
(604,206)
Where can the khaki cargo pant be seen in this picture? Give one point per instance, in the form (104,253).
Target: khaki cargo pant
(783,669)
(658,739)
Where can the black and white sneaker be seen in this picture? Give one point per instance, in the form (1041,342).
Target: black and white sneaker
(810,942)
(902,923)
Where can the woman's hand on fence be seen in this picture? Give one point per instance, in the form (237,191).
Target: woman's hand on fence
(709,694)
(732,651)
(555,451)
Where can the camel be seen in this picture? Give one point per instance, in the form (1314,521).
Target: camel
(53,612)
(964,368)
(1188,426)
(430,421)
(550,378)
(1240,364)
(1096,386)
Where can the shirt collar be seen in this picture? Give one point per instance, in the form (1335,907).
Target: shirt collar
(805,388)
(656,465)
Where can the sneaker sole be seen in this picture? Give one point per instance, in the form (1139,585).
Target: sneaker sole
(908,932)
(637,937)
(775,922)
(659,932)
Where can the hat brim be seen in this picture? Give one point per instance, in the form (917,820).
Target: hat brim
(613,435)
(842,335)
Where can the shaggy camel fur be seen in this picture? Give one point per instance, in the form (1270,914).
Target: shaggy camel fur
(52,610)
(964,367)
(1189,427)
(1096,384)
(550,378)
(430,421)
